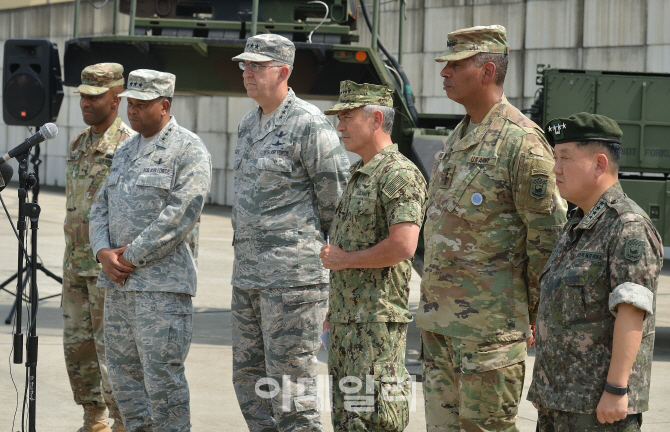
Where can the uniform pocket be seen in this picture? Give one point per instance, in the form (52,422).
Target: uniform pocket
(493,393)
(362,211)
(584,299)
(393,392)
(479,197)
(98,173)
(303,313)
(153,180)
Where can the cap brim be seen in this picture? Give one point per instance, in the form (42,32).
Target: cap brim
(253,57)
(343,106)
(140,95)
(449,55)
(91,90)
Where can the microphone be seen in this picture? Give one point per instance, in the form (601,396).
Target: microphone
(47,131)
(6,173)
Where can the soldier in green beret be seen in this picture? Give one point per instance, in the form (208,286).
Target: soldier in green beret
(88,164)
(492,218)
(595,325)
(375,234)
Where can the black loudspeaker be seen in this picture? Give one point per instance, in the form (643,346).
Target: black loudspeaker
(32,90)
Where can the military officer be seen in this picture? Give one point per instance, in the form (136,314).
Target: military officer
(144,231)
(290,171)
(376,231)
(91,155)
(492,217)
(595,325)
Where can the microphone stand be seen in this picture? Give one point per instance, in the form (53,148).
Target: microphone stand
(35,180)
(32,211)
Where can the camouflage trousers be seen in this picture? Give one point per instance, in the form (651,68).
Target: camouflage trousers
(471,386)
(275,341)
(371,388)
(549,420)
(148,336)
(83,305)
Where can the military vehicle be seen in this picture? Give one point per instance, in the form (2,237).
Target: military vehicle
(638,103)
(196,39)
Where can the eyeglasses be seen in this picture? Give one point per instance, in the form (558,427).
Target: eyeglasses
(253,66)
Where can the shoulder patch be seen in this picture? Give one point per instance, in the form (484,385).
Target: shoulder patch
(392,187)
(634,249)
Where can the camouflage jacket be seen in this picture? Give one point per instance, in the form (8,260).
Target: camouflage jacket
(289,176)
(152,200)
(87,168)
(387,190)
(492,217)
(612,255)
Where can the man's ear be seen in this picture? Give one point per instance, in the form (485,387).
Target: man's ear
(602,164)
(165,106)
(489,73)
(377,120)
(283,73)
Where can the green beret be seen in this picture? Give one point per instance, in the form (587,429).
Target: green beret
(583,127)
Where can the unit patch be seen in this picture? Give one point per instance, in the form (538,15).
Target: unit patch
(538,187)
(634,249)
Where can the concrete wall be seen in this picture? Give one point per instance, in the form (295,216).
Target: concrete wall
(625,35)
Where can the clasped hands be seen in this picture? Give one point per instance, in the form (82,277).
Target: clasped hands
(114,264)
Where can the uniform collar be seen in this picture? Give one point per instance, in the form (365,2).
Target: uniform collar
(498,110)
(161,140)
(611,197)
(279,116)
(108,136)
(369,168)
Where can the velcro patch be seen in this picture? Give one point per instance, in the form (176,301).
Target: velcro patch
(538,187)
(539,172)
(591,256)
(634,249)
(481,160)
(104,161)
(392,187)
(167,171)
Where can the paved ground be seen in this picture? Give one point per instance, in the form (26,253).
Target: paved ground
(208,368)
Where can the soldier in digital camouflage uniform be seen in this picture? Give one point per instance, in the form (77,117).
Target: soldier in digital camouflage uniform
(595,325)
(492,217)
(144,231)
(376,231)
(290,171)
(91,155)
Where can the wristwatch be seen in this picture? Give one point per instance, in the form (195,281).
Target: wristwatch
(609,388)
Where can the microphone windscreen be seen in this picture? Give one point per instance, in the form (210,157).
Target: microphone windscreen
(49,130)
(6,173)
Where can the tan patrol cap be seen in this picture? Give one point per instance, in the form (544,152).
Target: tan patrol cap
(98,78)
(465,43)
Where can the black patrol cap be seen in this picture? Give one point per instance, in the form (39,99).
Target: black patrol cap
(583,127)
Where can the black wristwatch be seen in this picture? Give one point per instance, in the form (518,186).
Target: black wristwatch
(609,388)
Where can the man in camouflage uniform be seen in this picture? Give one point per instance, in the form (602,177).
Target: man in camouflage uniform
(290,171)
(91,154)
(376,231)
(492,218)
(595,325)
(144,231)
